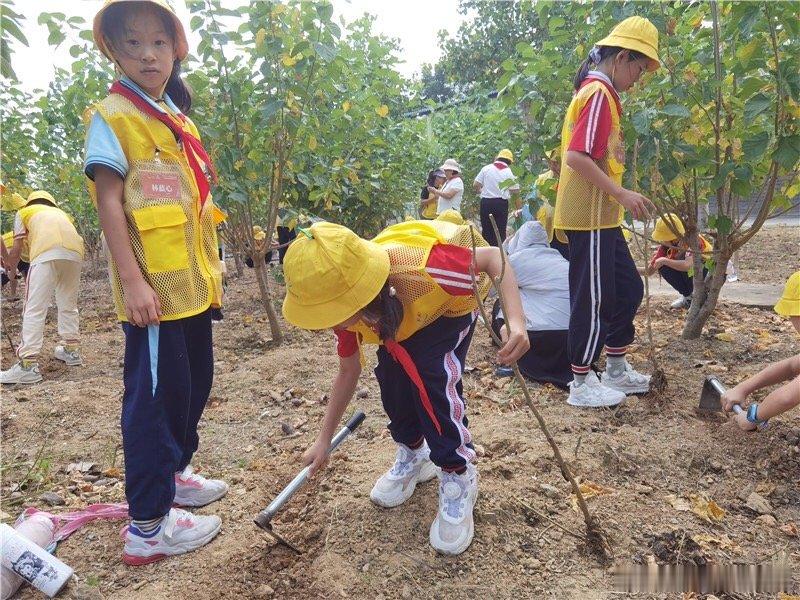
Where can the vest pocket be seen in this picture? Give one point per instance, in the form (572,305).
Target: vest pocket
(163,234)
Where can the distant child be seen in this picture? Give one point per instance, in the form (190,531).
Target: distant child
(604,284)
(427,201)
(56,258)
(673,259)
(496,185)
(452,192)
(150,178)
(785,397)
(408,290)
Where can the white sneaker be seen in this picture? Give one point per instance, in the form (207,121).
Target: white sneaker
(682,302)
(21,374)
(453,528)
(629,382)
(592,393)
(71,357)
(192,489)
(398,483)
(179,532)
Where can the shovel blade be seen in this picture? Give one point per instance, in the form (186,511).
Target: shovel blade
(709,398)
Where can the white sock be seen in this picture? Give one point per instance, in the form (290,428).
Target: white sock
(615,365)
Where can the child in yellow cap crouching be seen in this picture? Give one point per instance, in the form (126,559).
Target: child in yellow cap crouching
(408,290)
(785,397)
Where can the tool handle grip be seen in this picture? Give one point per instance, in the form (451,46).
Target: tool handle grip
(717,385)
(355,421)
(737,409)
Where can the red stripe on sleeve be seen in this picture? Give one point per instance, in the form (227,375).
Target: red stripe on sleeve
(448,265)
(346,342)
(591,131)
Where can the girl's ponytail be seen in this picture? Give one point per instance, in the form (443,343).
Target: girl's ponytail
(583,71)
(386,311)
(177,89)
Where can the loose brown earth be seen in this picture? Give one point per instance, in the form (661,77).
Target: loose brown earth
(650,448)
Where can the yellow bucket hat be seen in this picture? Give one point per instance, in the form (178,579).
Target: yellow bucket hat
(507,154)
(41,195)
(636,33)
(789,304)
(451,215)
(181,44)
(662,233)
(331,274)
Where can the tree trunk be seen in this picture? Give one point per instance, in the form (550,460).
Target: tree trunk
(702,309)
(262,277)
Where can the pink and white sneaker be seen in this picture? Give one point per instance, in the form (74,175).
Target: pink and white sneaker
(195,490)
(179,532)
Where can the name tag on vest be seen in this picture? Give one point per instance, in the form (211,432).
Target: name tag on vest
(160,185)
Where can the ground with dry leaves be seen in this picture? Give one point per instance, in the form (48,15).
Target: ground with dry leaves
(669,485)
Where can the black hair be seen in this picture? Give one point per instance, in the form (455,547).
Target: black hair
(387,311)
(112,27)
(605,52)
(43,201)
(432,176)
(503,160)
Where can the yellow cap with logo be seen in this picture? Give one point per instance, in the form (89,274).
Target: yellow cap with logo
(507,154)
(331,274)
(181,44)
(636,33)
(41,195)
(789,304)
(662,233)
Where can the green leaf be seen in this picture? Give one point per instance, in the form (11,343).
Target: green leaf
(788,151)
(271,107)
(722,223)
(756,105)
(325,52)
(324,10)
(676,110)
(754,147)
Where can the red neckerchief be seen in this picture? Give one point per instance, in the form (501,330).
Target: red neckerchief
(500,165)
(192,147)
(402,356)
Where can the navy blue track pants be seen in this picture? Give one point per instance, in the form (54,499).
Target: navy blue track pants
(168,373)
(439,352)
(605,291)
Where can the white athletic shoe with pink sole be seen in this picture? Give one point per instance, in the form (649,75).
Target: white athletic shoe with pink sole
(195,490)
(178,533)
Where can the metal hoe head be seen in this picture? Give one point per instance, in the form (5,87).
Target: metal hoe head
(711,394)
(267,526)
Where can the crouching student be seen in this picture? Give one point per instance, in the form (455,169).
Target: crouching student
(149,177)
(674,260)
(543,279)
(785,397)
(408,290)
(56,255)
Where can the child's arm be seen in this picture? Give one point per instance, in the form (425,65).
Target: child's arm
(489,261)
(447,194)
(344,386)
(775,373)
(583,164)
(142,306)
(679,265)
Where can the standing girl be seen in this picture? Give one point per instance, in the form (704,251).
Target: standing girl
(408,290)
(149,179)
(605,287)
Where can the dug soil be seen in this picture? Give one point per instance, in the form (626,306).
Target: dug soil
(668,484)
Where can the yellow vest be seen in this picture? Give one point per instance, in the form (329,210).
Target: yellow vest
(174,240)
(408,245)
(8,242)
(49,227)
(580,205)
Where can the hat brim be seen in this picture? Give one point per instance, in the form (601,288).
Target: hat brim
(629,43)
(332,312)
(181,43)
(788,308)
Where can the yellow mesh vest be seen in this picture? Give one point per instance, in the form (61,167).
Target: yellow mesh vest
(49,227)
(408,245)
(173,239)
(8,242)
(579,204)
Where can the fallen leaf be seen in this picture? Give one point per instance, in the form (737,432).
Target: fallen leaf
(589,490)
(677,502)
(724,337)
(705,508)
(790,529)
(785,596)
(113,472)
(723,543)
